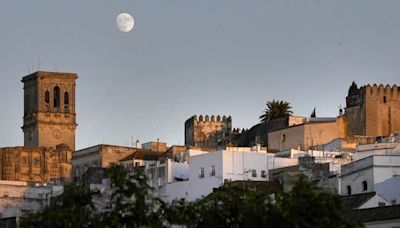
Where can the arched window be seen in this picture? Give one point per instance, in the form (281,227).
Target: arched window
(47,100)
(364,185)
(56,97)
(348,190)
(47,97)
(66,101)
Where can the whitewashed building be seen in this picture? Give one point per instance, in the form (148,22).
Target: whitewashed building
(201,172)
(364,174)
(390,189)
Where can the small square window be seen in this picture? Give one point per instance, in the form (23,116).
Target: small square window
(212,171)
(253,173)
(201,172)
(263,174)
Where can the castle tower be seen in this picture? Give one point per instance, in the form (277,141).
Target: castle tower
(206,131)
(49,109)
(373,110)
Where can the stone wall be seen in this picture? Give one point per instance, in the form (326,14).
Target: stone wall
(97,156)
(207,131)
(304,136)
(373,111)
(49,119)
(35,164)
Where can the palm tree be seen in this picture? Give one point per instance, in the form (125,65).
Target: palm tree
(275,109)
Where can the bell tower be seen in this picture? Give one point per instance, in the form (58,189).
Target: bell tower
(49,109)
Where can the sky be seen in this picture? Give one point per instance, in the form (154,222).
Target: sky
(187,57)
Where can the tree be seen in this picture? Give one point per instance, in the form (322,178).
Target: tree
(132,205)
(276,109)
(131,200)
(231,205)
(73,208)
(307,205)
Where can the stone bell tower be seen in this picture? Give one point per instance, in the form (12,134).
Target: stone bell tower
(49,109)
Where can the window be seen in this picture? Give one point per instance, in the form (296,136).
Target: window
(201,172)
(283,137)
(47,100)
(364,186)
(384,99)
(253,173)
(348,190)
(212,171)
(36,161)
(66,101)
(24,161)
(263,174)
(381,204)
(56,97)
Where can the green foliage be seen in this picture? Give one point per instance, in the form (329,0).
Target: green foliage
(275,109)
(229,206)
(133,206)
(73,208)
(309,206)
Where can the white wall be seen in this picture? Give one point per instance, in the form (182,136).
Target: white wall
(366,150)
(374,202)
(389,189)
(229,166)
(374,170)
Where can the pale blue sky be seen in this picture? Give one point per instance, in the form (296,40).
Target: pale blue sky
(188,57)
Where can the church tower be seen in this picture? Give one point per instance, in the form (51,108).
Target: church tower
(49,109)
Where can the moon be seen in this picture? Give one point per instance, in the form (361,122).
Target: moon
(125,22)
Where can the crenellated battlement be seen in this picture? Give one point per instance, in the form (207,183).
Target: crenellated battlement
(208,130)
(372,110)
(381,90)
(212,118)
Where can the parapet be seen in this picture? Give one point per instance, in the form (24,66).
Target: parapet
(381,90)
(208,118)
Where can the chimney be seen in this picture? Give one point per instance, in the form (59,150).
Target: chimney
(138,145)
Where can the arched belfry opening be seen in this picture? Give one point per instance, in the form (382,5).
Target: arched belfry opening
(56,97)
(47,100)
(66,102)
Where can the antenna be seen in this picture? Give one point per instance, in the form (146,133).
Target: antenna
(38,63)
(26,65)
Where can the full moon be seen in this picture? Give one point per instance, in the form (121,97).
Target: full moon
(125,22)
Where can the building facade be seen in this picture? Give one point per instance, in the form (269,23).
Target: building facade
(373,110)
(361,176)
(97,156)
(35,164)
(204,171)
(207,131)
(310,133)
(49,125)
(49,109)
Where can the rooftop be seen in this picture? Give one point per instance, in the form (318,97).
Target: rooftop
(355,201)
(375,214)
